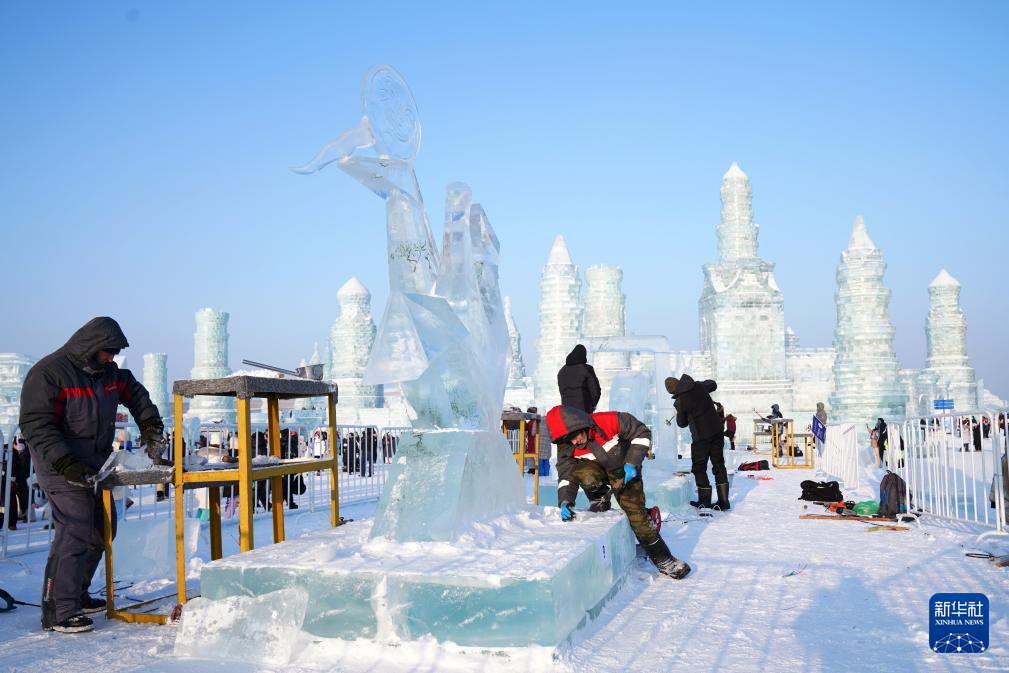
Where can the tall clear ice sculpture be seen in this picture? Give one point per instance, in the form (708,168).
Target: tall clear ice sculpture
(442,337)
(866,373)
(946,337)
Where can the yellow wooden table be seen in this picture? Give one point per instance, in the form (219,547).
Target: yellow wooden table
(245,474)
(510,420)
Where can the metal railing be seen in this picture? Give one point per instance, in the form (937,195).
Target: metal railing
(953,466)
(840,454)
(365,454)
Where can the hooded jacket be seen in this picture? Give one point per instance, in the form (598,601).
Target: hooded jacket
(696,410)
(68,404)
(577,381)
(615,438)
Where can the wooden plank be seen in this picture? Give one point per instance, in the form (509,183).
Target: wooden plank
(334,450)
(110,600)
(180,512)
(214,502)
(276,483)
(835,517)
(246,498)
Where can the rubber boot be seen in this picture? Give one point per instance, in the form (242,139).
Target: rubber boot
(667,564)
(703,498)
(723,497)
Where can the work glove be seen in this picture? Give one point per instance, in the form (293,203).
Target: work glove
(152,436)
(630,473)
(75,472)
(567,514)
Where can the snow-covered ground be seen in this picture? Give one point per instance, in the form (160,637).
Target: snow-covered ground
(858,603)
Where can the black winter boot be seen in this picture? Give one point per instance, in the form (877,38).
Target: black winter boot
(723,497)
(76,624)
(599,498)
(703,498)
(667,564)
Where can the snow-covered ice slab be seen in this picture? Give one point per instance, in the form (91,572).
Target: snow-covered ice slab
(260,629)
(524,578)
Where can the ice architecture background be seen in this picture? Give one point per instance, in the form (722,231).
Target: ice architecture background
(156,382)
(605,316)
(210,355)
(350,341)
(946,342)
(560,320)
(866,372)
(13,370)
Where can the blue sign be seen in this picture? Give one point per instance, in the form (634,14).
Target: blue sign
(942,405)
(819,430)
(958,623)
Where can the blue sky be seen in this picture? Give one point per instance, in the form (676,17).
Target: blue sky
(146,149)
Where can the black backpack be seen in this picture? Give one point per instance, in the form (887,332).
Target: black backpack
(821,491)
(891,495)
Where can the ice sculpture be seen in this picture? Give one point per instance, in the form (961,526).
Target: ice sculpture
(442,337)
(210,343)
(605,317)
(13,369)
(350,342)
(518,391)
(866,373)
(560,321)
(156,381)
(742,310)
(946,338)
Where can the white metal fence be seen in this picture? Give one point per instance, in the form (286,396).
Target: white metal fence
(365,454)
(953,465)
(840,454)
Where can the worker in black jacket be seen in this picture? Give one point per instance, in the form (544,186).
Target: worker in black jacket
(577,381)
(602,452)
(68,416)
(695,409)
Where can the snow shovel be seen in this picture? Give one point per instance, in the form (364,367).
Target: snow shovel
(313,372)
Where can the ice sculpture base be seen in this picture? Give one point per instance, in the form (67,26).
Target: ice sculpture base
(442,481)
(524,578)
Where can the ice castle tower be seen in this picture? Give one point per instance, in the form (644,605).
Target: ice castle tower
(560,321)
(946,338)
(156,382)
(605,316)
(210,361)
(350,341)
(742,310)
(866,373)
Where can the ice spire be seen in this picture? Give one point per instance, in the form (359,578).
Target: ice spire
(156,381)
(866,372)
(560,321)
(516,365)
(737,234)
(605,308)
(210,344)
(946,338)
(350,342)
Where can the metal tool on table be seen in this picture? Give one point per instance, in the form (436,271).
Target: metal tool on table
(313,372)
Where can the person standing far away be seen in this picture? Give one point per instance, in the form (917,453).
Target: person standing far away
(68,417)
(577,381)
(696,410)
(603,453)
(730,426)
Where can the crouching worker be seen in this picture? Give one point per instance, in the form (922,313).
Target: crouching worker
(602,453)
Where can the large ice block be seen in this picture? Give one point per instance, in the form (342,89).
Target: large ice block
(145,548)
(260,629)
(520,579)
(443,481)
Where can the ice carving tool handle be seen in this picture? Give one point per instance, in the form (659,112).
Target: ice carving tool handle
(270,367)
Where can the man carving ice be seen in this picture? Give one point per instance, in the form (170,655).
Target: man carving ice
(602,453)
(68,416)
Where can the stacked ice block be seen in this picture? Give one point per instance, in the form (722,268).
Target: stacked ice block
(520,579)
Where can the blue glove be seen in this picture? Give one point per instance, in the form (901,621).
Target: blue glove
(630,473)
(567,514)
